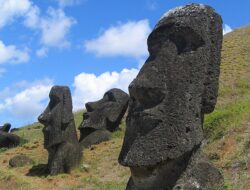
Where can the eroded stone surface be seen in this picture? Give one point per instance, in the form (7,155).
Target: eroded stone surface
(103,117)
(8,140)
(199,174)
(176,86)
(6,127)
(19,161)
(59,130)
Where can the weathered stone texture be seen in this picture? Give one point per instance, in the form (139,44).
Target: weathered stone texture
(19,161)
(8,140)
(103,117)
(6,127)
(176,86)
(59,130)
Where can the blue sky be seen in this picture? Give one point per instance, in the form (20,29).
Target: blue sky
(88,45)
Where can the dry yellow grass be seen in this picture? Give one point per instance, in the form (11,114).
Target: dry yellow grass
(98,170)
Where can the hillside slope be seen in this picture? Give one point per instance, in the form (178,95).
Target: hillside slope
(228,127)
(227,130)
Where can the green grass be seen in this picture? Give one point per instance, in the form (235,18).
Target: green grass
(31,132)
(78,117)
(227,127)
(224,118)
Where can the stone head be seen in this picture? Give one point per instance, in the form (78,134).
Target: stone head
(57,117)
(176,86)
(105,113)
(6,127)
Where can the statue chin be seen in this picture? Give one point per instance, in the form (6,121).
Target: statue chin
(160,176)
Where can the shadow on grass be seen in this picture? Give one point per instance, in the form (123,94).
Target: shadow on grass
(38,171)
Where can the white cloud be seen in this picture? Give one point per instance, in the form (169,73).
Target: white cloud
(129,39)
(32,18)
(89,87)
(54,27)
(9,53)
(227,29)
(26,100)
(12,8)
(29,102)
(42,52)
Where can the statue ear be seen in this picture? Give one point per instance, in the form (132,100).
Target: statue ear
(212,70)
(67,115)
(114,115)
(117,112)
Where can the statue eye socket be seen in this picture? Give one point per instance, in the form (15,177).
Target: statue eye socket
(148,97)
(54,100)
(109,97)
(186,40)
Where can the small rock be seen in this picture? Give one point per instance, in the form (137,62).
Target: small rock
(19,161)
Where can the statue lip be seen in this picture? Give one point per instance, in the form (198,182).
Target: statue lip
(44,118)
(83,125)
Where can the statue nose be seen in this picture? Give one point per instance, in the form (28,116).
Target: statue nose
(85,120)
(41,118)
(44,118)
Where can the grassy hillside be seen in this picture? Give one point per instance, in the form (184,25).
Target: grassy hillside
(228,127)
(99,168)
(227,130)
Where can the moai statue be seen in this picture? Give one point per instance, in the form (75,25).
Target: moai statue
(103,117)
(6,127)
(60,138)
(8,140)
(176,86)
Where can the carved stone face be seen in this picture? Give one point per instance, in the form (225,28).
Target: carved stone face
(6,127)
(104,114)
(174,88)
(57,116)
